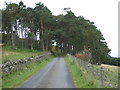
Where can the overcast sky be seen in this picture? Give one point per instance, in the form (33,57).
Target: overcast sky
(103,12)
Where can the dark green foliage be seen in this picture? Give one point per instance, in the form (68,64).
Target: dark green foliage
(114,61)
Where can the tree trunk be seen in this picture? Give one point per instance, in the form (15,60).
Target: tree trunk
(46,45)
(47,37)
(64,48)
(31,43)
(12,33)
(43,44)
(25,39)
(13,43)
(49,43)
(22,30)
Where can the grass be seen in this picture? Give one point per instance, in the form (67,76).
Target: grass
(0,83)
(13,80)
(80,76)
(13,54)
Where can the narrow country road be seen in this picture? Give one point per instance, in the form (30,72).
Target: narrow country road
(54,75)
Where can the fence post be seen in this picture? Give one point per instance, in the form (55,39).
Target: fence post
(101,76)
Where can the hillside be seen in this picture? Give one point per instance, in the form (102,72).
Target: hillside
(8,53)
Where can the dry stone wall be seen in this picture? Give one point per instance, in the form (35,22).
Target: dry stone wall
(12,66)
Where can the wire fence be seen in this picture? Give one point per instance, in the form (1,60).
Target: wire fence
(106,77)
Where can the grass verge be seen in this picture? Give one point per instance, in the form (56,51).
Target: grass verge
(13,80)
(80,76)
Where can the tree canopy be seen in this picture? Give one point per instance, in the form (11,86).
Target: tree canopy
(35,28)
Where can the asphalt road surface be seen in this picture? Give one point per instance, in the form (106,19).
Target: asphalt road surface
(54,75)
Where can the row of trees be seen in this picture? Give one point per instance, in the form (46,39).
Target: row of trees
(35,28)
(25,26)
